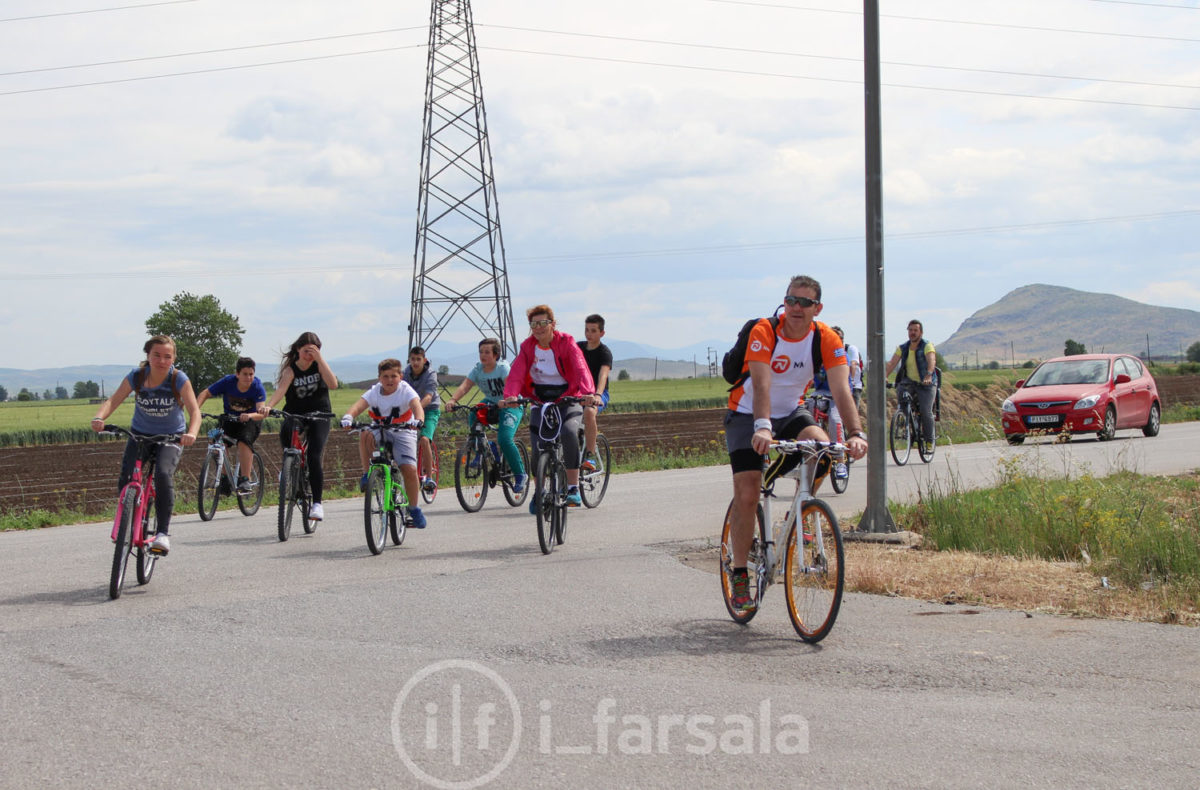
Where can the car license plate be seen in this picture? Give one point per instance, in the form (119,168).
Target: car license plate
(1051,419)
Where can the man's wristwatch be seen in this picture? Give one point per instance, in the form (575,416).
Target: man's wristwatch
(860,434)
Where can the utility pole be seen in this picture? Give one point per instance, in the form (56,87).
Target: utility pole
(876,517)
(458,264)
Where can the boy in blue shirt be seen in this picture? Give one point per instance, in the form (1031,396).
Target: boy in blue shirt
(489,374)
(243,393)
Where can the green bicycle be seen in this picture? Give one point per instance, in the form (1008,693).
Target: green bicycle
(385,502)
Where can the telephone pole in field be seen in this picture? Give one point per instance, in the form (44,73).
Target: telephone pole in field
(459,269)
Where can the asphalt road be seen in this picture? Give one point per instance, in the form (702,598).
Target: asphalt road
(465,658)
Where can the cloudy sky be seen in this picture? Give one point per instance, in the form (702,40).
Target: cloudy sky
(669,164)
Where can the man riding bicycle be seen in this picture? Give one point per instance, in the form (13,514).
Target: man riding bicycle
(917,361)
(777,370)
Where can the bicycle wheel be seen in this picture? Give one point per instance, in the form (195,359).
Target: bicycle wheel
(287,496)
(592,485)
(560,499)
(840,484)
(813,571)
(506,479)
(121,548)
(433,472)
(304,501)
(398,517)
(544,497)
(145,559)
(209,490)
(900,437)
(754,568)
(926,447)
(471,475)
(249,503)
(374,512)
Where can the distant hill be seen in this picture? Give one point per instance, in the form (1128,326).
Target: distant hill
(1035,321)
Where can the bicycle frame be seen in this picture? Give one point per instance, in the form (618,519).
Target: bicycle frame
(142,480)
(777,532)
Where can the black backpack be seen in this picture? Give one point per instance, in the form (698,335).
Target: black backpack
(734,361)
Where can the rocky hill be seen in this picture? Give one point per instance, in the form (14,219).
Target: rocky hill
(1035,321)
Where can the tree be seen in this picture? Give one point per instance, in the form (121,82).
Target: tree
(60,393)
(1072,348)
(86,389)
(1193,352)
(26,395)
(443,370)
(3,394)
(207,338)
(623,375)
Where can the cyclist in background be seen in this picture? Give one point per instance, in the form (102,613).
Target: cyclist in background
(243,395)
(917,360)
(489,374)
(550,366)
(162,393)
(599,360)
(855,360)
(305,380)
(763,405)
(423,378)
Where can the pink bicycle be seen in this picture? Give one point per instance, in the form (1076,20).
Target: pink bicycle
(132,531)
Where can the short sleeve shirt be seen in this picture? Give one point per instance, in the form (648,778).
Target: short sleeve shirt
(791,366)
(910,364)
(490,384)
(156,411)
(394,408)
(236,401)
(597,358)
(545,368)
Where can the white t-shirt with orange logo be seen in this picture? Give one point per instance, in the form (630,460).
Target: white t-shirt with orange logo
(791,366)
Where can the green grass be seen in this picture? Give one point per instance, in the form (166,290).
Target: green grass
(1136,530)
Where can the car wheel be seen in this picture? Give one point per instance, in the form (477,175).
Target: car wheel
(1015,438)
(1152,424)
(1110,425)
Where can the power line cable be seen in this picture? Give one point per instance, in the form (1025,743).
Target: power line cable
(750,50)
(628,254)
(1150,5)
(213,51)
(96,10)
(962,21)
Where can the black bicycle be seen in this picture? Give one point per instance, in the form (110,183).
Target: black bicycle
(294,489)
(479,465)
(550,473)
(905,429)
(593,481)
(219,475)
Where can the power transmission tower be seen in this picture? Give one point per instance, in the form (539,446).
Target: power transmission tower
(458,265)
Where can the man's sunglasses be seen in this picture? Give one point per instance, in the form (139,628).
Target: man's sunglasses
(803,301)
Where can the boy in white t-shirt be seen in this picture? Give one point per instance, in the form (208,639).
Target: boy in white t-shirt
(392,402)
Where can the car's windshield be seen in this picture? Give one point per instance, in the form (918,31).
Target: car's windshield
(1070,371)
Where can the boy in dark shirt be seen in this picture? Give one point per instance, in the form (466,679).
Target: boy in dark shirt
(599,361)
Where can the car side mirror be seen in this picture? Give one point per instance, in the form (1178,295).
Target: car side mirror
(1020,383)
(1123,378)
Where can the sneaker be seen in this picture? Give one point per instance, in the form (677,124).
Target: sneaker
(573,498)
(518,483)
(362,482)
(161,545)
(841,471)
(316,512)
(588,465)
(244,486)
(418,518)
(741,600)
(428,485)
(533,505)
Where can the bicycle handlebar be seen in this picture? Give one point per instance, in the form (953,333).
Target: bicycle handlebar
(521,400)
(155,438)
(312,416)
(359,427)
(809,447)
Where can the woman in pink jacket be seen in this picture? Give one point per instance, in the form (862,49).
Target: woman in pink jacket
(550,366)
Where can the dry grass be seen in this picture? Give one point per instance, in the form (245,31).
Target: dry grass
(955,577)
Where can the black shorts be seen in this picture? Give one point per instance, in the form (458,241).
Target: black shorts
(739,428)
(244,432)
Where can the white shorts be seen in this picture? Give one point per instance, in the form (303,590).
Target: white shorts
(403,444)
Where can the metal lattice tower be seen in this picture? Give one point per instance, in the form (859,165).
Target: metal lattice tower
(458,265)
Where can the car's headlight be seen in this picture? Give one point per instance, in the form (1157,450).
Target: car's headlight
(1008,406)
(1088,402)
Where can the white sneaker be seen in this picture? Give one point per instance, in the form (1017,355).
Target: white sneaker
(316,512)
(160,545)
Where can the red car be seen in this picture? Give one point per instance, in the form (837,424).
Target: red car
(1086,393)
